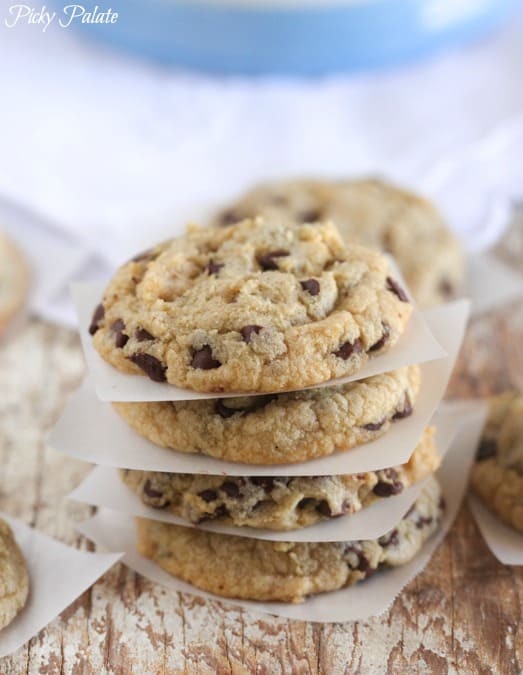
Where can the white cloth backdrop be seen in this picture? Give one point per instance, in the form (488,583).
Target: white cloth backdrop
(101,153)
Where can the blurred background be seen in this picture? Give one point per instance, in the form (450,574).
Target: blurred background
(115,133)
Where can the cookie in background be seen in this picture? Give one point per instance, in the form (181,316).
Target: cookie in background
(14,579)
(497,475)
(373,213)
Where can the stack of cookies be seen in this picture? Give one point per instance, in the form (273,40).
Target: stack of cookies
(267,320)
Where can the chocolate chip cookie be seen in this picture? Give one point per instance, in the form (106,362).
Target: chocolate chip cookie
(260,306)
(281,428)
(14,279)
(278,503)
(374,213)
(254,569)
(14,580)
(497,475)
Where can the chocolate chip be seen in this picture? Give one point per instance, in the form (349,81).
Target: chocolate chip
(143,335)
(305,502)
(221,512)
(446,288)
(383,339)
(395,288)
(150,491)
(266,482)
(324,508)
(487,449)
(223,411)
(374,426)
(442,504)
(231,489)
(154,494)
(347,349)
(208,495)
(309,216)
(203,359)
(267,260)
(406,411)
(312,286)
(121,338)
(390,539)
(363,563)
(213,268)
(422,521)
(248,331)
(98,315)
(229,217)
(383,489)
(150,365)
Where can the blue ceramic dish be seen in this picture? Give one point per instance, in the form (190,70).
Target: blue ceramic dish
(297,37)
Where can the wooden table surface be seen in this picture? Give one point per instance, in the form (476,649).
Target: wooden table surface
(461,615)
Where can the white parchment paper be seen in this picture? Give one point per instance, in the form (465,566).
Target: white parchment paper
(115,531)
(58,575)
(504,542)
(104,488)
(416,345)
(92,431)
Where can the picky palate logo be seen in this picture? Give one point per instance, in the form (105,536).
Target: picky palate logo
(20,13)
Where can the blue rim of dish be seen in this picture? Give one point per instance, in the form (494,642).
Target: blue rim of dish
(301,38)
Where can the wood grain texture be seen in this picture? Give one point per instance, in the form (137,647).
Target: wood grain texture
(461,615)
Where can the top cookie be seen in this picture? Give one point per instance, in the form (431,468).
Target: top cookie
(373,213)
(260,306)
(497,476)
(14,581)
(13,279)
